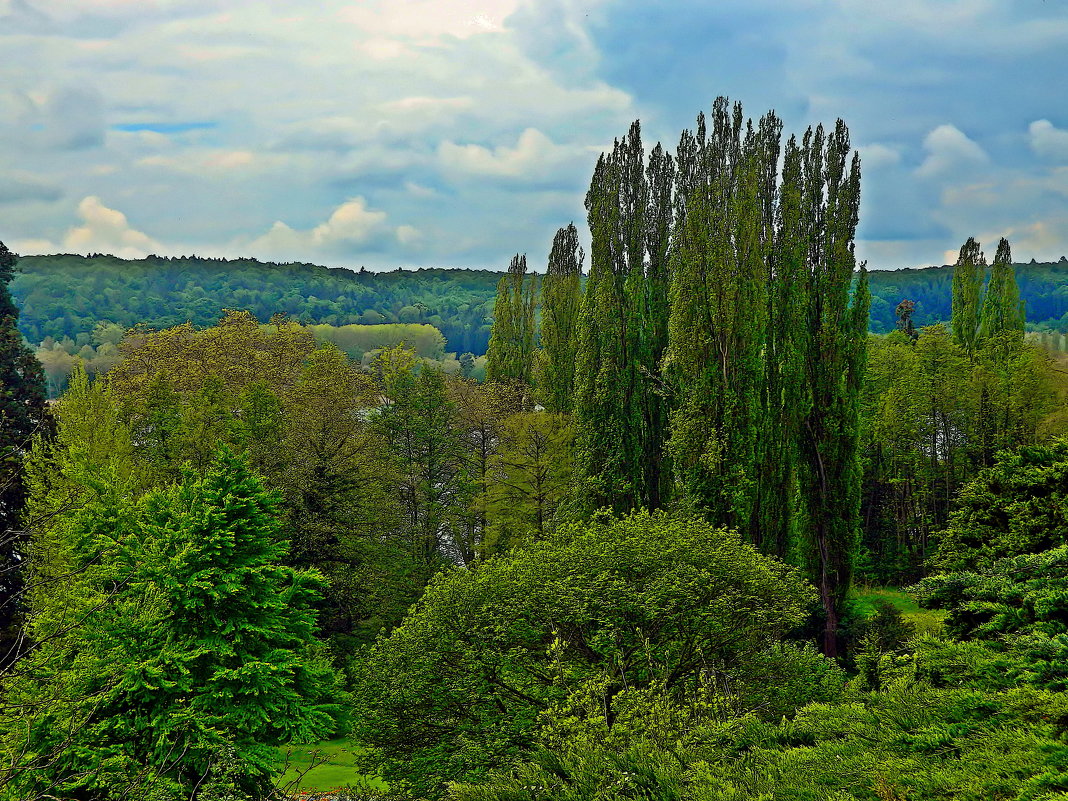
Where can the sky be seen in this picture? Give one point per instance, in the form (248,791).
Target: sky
(409,133)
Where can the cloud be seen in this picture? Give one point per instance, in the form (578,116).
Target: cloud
(17,187)
(535,157)
(352,229)
(65,118)
(106,230)
(1048,141)
(949,151)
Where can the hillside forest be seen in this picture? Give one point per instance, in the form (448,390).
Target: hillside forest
(79,307)
(703,523)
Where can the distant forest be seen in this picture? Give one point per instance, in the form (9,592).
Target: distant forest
(67,296)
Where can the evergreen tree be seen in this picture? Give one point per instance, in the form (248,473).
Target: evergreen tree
(192,639)
(511,349)
(561,293)
(22,415)
(968,276)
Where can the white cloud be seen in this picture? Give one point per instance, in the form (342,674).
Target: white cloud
(352,228)
(878,155)
(534,156)
(1049,141)
(106,230)
(949,150)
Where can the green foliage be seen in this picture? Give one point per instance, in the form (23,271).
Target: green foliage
(1003,310)
(561,300)
(968,275)
(22,416)
(529,478)
(932,417)
(199,643)
(620,419)
(909,740)
(1017,506)
(357,340)
(643,600)
(511,347)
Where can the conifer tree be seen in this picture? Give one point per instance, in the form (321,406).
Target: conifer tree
(22,414)
(511,348)
(968,275)
(561,294)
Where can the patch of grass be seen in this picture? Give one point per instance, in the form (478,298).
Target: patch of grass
(926,621)
(325,766)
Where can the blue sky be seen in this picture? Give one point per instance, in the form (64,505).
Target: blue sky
(408,133)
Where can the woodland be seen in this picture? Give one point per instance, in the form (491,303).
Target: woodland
(703,523)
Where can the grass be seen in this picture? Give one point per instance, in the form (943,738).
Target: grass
(926,621)
(325,766)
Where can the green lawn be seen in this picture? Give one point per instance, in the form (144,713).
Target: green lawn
(325,766)
(926,621)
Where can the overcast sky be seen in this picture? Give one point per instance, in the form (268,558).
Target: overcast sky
(457,132)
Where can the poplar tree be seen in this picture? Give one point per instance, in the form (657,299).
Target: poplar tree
(561,293)
(1003,311)
(511,347)
(968,275)
(622,331)
(718,317)
(829,469)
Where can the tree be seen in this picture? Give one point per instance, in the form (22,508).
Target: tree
(22,416)
(968,276)
(1003,311)
(622,331)
(511,349)
(561,292)
(190,638)
(830,474)
(625,603)
(719,307)
(529,478)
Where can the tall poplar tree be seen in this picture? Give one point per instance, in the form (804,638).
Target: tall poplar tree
(829,468)
(719,311)
(561,298)
(968,275)
(622,331)
(1003,311)
(511,348)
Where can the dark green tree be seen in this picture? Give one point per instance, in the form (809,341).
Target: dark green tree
(561,297)
(22,415)
(192,638)
(511,348)
(622,331)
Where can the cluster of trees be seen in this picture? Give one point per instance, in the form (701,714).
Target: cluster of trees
(618,567)
(717,349)
(65,296)
(98,352)
(939,404)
